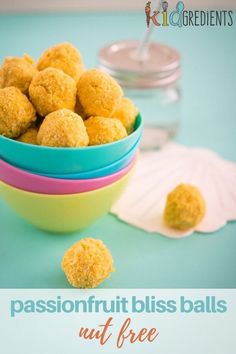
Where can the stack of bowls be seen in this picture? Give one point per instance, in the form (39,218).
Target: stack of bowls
(65,189)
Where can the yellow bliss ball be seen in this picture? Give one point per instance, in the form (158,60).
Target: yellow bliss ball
(16,112)
(52,89)
(185,207)
(63,128)
(87,263)
(30,136)
(102,130)
(98,92)
(63,56)
(17,72)
(126,112)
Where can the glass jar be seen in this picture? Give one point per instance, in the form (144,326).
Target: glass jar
(153,85)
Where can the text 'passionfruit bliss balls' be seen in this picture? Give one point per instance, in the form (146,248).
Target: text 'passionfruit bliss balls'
(52,89)
(30,136)
(63,56)
(87,263)
(185,207)
(126,112)
(17,72)
(98,92)
(16,112)
(102,130)
(63,128)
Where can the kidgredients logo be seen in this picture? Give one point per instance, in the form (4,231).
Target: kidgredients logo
(181,17)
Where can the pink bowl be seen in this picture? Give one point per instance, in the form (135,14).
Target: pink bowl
(40,184)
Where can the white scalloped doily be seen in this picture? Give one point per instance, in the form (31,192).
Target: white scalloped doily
(159,172)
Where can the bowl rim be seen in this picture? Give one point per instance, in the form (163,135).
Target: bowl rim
(98,170)
(60,181)
(66,196)
(138,121)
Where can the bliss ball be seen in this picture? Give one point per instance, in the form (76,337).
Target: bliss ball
(185,207)
(98,93)
(63,56)
(52,89)
(63,128)
(30,136)
(17,72)
(16,112)
(126,112)
(102,130)
(87,263)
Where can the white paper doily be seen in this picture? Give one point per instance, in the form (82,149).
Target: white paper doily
(159,172)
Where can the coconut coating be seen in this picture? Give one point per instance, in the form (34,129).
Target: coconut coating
(63,128)
(126,112)
(185,207)
(16,112)
(30,136)
(98,93)
(52,89)
(17,72)
(87,263)
(1,78)
(63,56)
(102,130)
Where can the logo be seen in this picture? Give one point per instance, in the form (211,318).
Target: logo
(181,17)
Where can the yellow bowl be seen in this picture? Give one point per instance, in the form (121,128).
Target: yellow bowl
(63,213)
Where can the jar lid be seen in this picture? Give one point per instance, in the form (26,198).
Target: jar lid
(160,67)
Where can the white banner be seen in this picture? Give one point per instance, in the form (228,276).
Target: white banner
(117,321)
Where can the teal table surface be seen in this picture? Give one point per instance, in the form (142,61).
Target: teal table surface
(30,258)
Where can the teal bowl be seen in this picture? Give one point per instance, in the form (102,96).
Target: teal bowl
(101,172)
(49,160)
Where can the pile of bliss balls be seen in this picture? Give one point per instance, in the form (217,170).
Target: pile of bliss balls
(56,102)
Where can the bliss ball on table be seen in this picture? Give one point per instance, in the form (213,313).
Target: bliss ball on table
(63,56)
(52,89)
(98,92)
(87,263)
(16,112)
(63,128)
(185,207)
(102,130)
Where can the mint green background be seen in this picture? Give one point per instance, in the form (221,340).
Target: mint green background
(31,258)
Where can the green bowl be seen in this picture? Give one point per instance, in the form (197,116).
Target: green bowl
(51,160)
(63,213)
